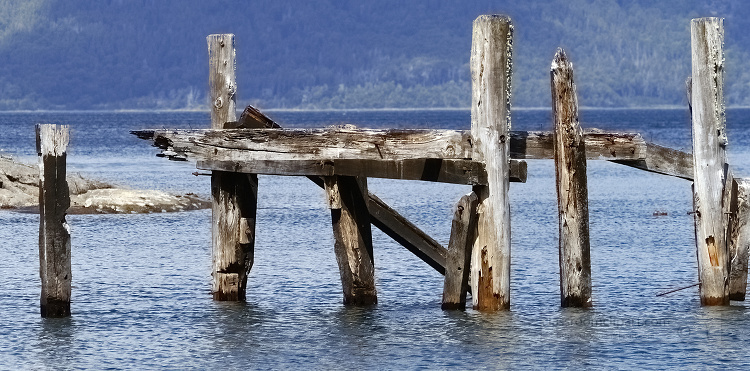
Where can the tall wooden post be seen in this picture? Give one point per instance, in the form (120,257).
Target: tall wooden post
(572,192)
(54,232)
(738,238)
(347,199)
(458,259)
(491,62)
(709,159)
(234,194)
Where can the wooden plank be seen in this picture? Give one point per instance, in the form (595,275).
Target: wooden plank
(458,260)
(572,191)
(709,146)
(54,232)
(433,170)
(625,148)
(490,125)
(401,230)
(738,238)
(316,144)
(234,195)
(353,240)
(662,160)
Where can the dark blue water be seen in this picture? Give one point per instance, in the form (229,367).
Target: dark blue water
(141,282)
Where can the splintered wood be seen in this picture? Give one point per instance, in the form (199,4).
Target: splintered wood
(710,160)
(490,125)
(234,195)
(572,191)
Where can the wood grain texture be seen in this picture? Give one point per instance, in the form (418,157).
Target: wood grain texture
(491,56)
(353,240)
(709,156)
(458,260)
(572,191)
(626,148)
(738,238)
(54,232)
(234,196)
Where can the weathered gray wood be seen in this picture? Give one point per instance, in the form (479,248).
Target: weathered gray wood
(572,191)
(317,144)
(433,170)
(709,156)
(625,148)
(222,81)
(490,124)
(738,238)
(54,232)
(353,240)
(401,230)
(234,195)
(233,232)
(662,160)
(458,260)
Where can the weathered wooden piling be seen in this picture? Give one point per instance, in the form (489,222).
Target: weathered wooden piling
(347,199)
(709,158)
(572,191)
(738,238)
(54,232)
(234,194)
(458,259)
(491,51)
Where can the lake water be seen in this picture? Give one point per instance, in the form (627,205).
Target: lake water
(141,282)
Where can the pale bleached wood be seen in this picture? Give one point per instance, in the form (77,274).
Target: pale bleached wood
(626,148)
(709,156)
(572,191)
(738,238)
(491,52)
(54,232)
(458,260)
(317,144)
(234,195)
(222,81)
(353,240)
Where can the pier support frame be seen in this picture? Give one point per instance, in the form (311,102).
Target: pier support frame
(54,232)
(711,183)
(572,191)
(347,199)
(234,194)
(491,62)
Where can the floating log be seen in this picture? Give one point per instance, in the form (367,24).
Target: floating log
(710,164)
(353,238)
(458,261)
(572,191)
(54,232)
(738,238)
(490,125)
(234,195)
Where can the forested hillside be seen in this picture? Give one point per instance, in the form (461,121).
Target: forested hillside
(121,54)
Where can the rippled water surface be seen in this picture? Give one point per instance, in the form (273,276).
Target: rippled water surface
(141,282)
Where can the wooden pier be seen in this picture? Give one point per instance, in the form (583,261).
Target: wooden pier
(488,156)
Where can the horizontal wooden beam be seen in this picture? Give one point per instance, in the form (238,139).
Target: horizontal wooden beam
(433,170)
(317,144)
(623,148)
(663,160)
(398,148)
